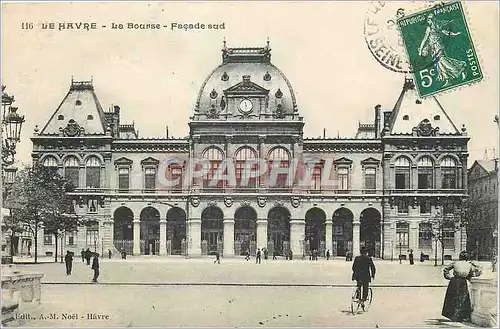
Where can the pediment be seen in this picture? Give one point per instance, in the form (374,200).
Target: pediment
(123,161)
(343,161)
(370,161)
(150,161)
(246,87)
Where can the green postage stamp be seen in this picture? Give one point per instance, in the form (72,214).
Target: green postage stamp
(439,48)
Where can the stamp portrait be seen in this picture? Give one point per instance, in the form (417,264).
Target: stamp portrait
(440,48)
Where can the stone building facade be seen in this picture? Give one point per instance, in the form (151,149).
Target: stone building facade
(378,189)
(483,192)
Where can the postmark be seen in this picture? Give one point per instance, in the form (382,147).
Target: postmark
(440,49)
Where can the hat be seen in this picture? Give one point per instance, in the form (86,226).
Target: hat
(464,255)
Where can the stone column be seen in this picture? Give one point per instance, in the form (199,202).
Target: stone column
(328,235)
(355,237)
(414,236)
(228,238)
(297,233)
(458,244)
(194,238)
(137,237)
(262,155)
(163,237)
(262,233)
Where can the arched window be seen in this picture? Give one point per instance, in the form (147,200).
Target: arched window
(213,178)
(449,171)
(425,173)
(403,167)
(279,167)
(71,170)
(93,172)
(50,161)
(245,164)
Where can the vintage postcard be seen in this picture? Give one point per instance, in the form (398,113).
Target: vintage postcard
(250,164)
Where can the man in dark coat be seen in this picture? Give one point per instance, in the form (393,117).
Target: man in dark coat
(95,267)
(88,254)
(411,257)
(217,257)
(328,254)
(83,255)
(363,270)
(69,262)
(258,256)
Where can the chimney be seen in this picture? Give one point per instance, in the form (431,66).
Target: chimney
(377,121)
(166,131)
(324,133)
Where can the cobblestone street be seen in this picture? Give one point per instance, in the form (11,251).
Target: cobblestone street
(177,292)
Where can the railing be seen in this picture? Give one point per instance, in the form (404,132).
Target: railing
(278,190)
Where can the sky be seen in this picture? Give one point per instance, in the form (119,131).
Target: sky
(155,75)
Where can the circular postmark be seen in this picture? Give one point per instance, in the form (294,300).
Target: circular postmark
(382,35)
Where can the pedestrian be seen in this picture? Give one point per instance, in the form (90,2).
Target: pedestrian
(95,267)
(422,257)
(290,254)
(310,255)
(217,257)
(247,257)
(257,257)
(266,253)
(457,304)
(88,255)
(109,253)
(328,254)
(68,259)
(124,254)
(410,257)
(274,255)
(83,255)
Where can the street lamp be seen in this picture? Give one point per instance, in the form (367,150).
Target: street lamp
(11,127)
(400,249)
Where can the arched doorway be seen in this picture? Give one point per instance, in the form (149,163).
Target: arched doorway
(176,231)
(369,231)
(245,230)
(212,230)
(123,230)
(342,231)
(150,231)
(315,231)
(278,230)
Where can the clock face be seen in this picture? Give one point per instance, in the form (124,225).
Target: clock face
(246,106)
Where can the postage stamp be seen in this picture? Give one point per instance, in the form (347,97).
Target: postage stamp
(440,48)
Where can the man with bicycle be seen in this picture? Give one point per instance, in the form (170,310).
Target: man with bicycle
(363,270)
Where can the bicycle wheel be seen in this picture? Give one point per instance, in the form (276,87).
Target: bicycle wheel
(368,302)
(355,301)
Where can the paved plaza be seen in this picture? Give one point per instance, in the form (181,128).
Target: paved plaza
(145,292)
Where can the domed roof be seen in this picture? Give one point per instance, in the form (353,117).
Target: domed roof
(253,68)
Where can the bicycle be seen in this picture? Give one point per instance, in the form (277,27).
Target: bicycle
(356,302)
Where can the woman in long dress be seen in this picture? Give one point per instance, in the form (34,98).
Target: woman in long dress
(457,305)
(446,68)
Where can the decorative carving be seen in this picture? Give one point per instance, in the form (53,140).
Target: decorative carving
(279,203)
(213,94)
(295,201)
(213,113)
(267,76)
(212,203)
(228,201)
(245,203)
(195,201)
(279,93)
(261,201)
(424,128)
(72,129)
(279,113)
(224,77)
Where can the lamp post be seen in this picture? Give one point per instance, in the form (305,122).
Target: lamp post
(11,127)
(400,249)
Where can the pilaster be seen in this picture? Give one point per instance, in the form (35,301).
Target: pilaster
(297,233)
(228,238)
(355,237)
(328,235)
(137,237)
(163,237)
(262,233)
(194,238)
